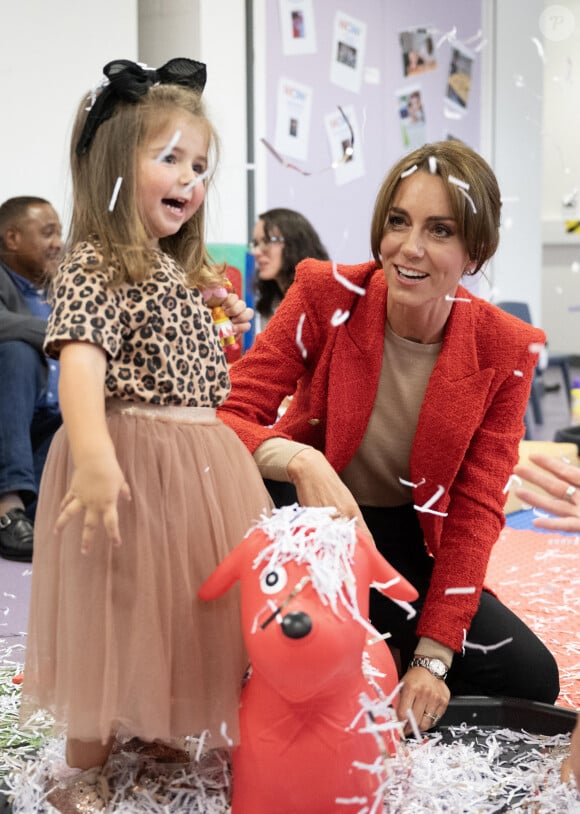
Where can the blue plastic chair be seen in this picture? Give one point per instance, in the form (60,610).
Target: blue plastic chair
(561,360)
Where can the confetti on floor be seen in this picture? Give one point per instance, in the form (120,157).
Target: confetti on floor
(137,779)
(537,575)
(466,769)
(458,769)
(17,744)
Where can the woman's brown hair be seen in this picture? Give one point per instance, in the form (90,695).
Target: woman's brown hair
(473,194)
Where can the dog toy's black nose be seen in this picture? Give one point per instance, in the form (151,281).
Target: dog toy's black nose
(296,625)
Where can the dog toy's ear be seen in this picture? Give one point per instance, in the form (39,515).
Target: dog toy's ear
(386,579)
(225,575)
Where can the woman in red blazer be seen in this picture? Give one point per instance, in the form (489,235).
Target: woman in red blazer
(408,407)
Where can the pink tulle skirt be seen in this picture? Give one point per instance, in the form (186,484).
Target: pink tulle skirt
(118,640)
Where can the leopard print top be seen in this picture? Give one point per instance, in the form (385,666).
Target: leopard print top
(161,345)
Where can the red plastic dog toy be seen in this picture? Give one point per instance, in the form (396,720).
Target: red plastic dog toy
(307,745)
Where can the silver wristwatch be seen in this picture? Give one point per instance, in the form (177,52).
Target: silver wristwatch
(436,667)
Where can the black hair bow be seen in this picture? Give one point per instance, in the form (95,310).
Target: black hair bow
(128,82)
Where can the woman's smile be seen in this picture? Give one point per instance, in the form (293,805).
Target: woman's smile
(412,275)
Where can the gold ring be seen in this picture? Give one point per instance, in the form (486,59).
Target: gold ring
(434,718)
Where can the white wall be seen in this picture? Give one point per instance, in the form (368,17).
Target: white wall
(516,149)
(223,44)
(168,29)
(212,31)
(561,168)
(50,55)
(561,254)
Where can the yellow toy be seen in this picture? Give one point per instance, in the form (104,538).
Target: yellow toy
(214,298)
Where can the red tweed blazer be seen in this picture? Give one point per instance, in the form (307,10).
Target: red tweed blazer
(469,426)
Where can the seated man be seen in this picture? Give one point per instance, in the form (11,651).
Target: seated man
(30,248)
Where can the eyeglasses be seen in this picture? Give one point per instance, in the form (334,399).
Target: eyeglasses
(264,243)
(347,151)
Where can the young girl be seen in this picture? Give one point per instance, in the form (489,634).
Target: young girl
(145,491)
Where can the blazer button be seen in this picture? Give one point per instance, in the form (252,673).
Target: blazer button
(314,421)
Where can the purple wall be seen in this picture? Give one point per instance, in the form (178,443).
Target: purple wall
(342,214)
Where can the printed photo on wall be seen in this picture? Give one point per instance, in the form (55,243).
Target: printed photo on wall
(417,51)
(459,79)
(298,29)
(345,144)
(293,119)
(348,52)
(411,117)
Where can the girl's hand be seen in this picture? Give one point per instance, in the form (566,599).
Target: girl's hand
(95,489)
(239,313)
(97,479)
(425,695)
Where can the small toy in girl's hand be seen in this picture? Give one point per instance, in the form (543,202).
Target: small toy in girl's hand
(214,298)
(316,724)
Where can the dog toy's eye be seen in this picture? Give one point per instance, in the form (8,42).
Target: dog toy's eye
(273,580)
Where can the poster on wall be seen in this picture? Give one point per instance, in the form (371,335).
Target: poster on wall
(417,51)
(293,119)
(411,117)
(459,77)
(345,145)
(348,52)
(298,29)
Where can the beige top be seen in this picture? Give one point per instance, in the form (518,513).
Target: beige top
(383,456)
(382,460)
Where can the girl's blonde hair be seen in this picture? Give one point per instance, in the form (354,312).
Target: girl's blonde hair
(122,238)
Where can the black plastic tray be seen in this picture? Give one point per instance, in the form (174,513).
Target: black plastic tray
(512,713)
(483,716)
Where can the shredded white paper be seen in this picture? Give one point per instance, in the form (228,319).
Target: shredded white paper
(463,769)
(322,541)
(347,283)
(410,171)
(299,341)
(115,194)
(168,147)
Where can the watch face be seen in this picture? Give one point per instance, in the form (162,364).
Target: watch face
(437,667)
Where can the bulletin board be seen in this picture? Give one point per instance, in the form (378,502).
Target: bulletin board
(359,55)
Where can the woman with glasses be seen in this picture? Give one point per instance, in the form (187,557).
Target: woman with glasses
(282,238)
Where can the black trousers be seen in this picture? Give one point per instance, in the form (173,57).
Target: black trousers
(524,668)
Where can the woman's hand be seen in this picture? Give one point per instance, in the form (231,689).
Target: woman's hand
(317,484)
(95,488)
(240,315)
(571,764)
(425,695)
(561,482)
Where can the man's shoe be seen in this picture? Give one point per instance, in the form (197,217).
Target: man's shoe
(16,536)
